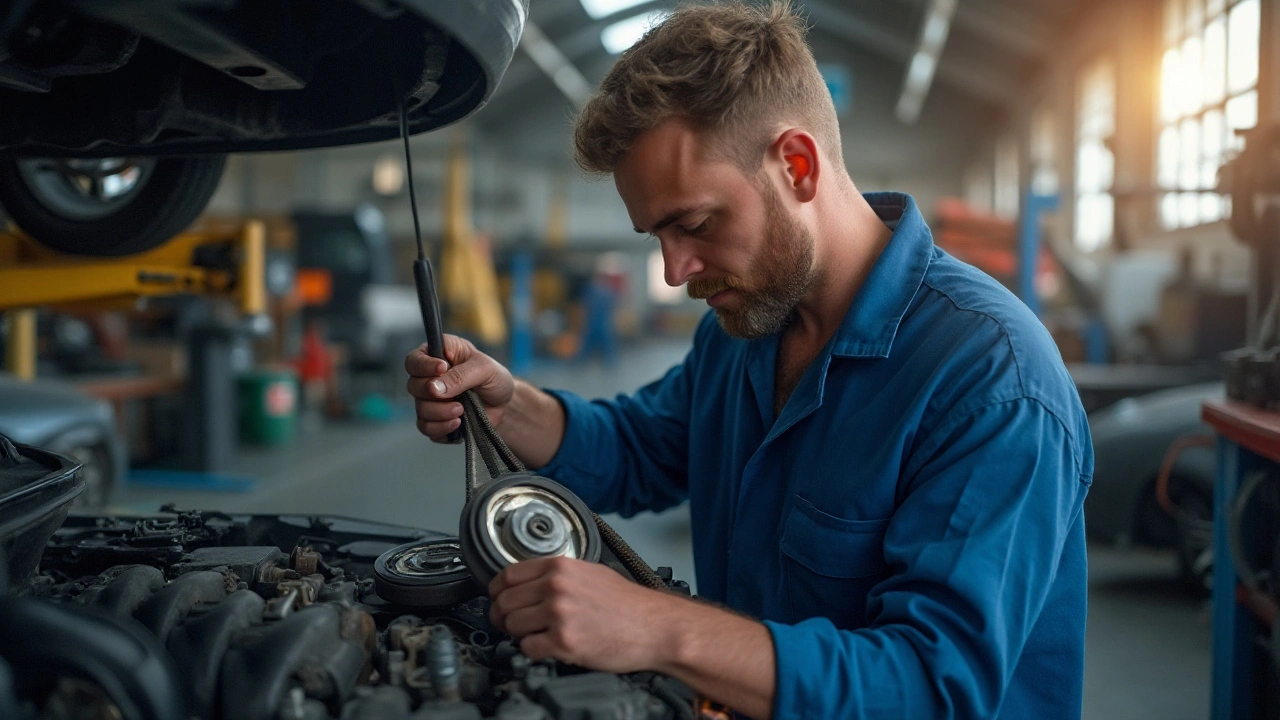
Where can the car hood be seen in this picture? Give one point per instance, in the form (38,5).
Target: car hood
(101,78)
(1173,410)
(33,412)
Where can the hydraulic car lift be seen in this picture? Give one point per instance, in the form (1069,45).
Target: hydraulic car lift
(226,262)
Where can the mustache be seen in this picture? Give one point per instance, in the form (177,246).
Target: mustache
(703,288)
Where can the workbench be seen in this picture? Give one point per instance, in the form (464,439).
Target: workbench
(1248,439)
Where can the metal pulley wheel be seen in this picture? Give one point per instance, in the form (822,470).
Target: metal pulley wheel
(522,516)
(424,573)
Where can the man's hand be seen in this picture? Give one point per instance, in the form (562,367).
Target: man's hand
(435,384)
(583,614)
(587,614)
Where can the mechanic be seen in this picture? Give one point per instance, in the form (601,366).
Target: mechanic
(884,456)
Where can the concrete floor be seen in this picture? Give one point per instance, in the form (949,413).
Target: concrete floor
(1148,640)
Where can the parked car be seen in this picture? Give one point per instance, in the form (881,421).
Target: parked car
(118,115)
(53,415)
(1130,441)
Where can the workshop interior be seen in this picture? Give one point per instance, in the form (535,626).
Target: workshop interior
(225,223)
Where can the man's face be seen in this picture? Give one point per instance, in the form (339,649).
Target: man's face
(725,234)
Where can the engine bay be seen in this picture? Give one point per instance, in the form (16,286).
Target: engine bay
(279,617)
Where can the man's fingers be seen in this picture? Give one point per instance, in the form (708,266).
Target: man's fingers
(538,646)
(458,379)
(437,410)
(514,598)
(527,621)
(419,364)
(457,350)
(438,431)
(523,572)
(424,388)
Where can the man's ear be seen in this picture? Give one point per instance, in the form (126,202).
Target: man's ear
(796,154)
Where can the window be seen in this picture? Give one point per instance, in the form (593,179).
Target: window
(1095,164)
(1044,153)
(1006,179)
(1208,90)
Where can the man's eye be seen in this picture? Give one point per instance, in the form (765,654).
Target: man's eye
(700,228)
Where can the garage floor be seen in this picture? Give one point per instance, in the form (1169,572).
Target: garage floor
(1148,640)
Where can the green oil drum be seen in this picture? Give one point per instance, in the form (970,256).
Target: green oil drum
(268,405)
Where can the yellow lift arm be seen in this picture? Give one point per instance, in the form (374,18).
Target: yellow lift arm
(228,262)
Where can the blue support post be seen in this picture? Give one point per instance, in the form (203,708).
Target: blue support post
(1097,347)
(521,312)
(1233,626)
(1033,207)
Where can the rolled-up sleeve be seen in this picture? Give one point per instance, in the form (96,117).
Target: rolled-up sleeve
(987,503)
(627,454)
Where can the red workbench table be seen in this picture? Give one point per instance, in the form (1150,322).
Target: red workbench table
(1248,438)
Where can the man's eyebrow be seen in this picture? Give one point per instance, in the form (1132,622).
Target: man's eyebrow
(669,218)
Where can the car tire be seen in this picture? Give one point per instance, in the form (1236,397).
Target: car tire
(48,200)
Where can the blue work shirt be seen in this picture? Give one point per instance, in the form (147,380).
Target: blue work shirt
(910,527)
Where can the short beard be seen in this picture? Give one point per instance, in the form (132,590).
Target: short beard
(785,272)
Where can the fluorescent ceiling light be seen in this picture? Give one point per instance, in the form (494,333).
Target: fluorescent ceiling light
(920,73)
(604,8)
(551,61)
(924,63)
(934,36)
(624,33)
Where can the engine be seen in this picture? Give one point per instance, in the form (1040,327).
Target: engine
(256,617)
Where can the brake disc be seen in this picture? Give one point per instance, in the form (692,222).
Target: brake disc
(522,516)
(424,574)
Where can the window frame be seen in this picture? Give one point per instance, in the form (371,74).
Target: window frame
(1186,159)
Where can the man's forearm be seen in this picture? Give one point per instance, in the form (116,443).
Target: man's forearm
(533,425)
(722,655)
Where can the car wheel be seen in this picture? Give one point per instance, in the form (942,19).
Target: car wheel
(98,473)
(106,207)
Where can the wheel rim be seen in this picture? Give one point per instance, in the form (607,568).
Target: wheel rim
(85,189)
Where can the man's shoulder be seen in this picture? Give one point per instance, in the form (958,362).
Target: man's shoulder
(993,346)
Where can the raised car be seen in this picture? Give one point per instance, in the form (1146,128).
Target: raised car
(116,115)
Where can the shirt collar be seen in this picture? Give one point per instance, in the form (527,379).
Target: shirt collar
(872,321)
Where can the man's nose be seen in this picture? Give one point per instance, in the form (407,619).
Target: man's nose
(679,263)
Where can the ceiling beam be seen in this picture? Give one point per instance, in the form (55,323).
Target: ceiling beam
(544,53)
(999,27)
(960,75)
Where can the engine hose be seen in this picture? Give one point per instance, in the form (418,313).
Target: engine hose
(1235,542)
(485,446)
(1166,469)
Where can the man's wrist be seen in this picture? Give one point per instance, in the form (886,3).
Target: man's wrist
(672,636)
(533,424)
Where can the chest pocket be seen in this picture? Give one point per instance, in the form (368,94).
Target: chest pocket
(830,563)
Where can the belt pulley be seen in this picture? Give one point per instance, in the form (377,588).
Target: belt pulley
(518,515)
(425,574)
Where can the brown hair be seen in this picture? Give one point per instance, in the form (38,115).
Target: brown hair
(730,69)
